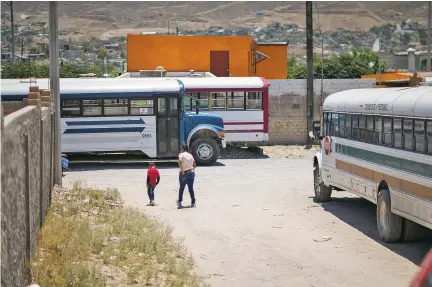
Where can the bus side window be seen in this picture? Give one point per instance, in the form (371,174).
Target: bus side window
(325,124)
(254,101)
(370,133)
(236,100)
(429,136)
(362,127)
(348,126)
(116,107)
(141,107)
(218,101)
(408,134)
(342,125)
(334,124)
(202,100)
(187,102)
(92,108)
(355,132)
(378,131)
(419,135)
(70,108)
(388,135)
(397,132)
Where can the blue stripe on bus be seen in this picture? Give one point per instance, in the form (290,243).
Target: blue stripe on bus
(105,130)
(102,122)
(12,98)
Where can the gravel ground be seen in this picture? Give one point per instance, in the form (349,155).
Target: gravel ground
(255,223)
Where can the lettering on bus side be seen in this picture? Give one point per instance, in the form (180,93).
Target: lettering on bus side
(373,107)
(146,136)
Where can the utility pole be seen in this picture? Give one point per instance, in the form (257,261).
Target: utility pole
(22,47)
(177,30)
(428,60)
(55,87)
(309,81)
(168,27)
(12,30)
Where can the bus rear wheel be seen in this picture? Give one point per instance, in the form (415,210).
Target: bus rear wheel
(411,231)
(389,224)
(205,151)
(322,192)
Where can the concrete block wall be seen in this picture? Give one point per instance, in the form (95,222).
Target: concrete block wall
(27,179)
(287,106)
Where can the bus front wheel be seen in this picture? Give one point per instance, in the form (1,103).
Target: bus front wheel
(205,151)
(389,224)
(322,192)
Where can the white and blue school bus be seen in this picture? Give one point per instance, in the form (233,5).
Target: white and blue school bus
(377,144)
(118,116)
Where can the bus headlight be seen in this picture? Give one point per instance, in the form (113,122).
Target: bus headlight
(221,134)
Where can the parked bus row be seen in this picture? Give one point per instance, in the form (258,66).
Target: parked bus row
(242,102)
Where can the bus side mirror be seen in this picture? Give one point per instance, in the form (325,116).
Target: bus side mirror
(315,135)
(197,106)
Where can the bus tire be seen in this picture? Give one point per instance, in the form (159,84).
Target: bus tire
(411,231)
(205,151)
(389,224)
(322,192)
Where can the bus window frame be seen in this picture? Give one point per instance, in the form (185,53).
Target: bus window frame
(428,125)
(401,132)
(379,134)
(424,121)
(79,106)
(141,99)
(93,116)
(404,135)
(372,131)
(260,93)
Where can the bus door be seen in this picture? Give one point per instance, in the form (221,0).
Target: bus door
(168,125)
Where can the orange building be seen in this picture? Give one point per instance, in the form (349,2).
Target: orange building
(236,56)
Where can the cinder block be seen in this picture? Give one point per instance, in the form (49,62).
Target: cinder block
(46,93)
(45,99)
(46,104)
(34,89)
(33,95)
(25,100)
(33,102)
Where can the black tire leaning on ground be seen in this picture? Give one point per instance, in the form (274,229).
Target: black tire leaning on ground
(322,192)
(389,224)
(411,231)
(209,143)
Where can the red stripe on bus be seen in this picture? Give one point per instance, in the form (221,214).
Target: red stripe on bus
(244,131)
(243,123)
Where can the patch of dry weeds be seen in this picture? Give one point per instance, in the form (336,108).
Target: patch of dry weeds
(91,239)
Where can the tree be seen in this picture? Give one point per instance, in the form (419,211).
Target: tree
(33,49)
(102,54)
(350,65)
(22,70)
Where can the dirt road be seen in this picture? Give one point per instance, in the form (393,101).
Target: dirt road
(255,224)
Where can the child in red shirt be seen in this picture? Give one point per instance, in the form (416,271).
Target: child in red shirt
(153,179)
